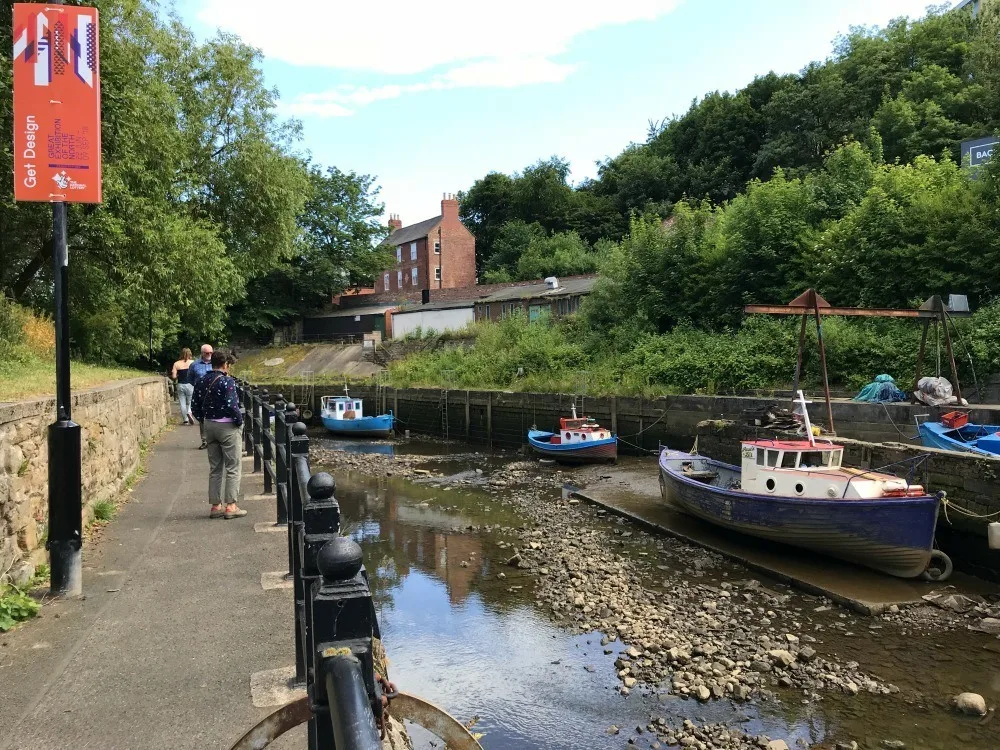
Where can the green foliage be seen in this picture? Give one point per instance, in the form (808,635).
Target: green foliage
(104,510)
(15,606)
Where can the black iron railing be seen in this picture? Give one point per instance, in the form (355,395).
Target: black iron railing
(335,622)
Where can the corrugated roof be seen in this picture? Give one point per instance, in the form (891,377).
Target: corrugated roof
(449,305)
(413,232)
(565,288)
(352,311)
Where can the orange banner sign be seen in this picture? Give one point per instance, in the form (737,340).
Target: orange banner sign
(57,104)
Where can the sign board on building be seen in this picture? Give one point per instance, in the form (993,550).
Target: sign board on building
(57,104)
(979,151)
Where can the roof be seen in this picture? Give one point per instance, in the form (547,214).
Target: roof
(450,305)
(414,231)
(352,311)
(795,445)
(566,287)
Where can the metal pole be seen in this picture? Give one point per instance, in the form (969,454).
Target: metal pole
(798,362)
(822,359)
(65,487)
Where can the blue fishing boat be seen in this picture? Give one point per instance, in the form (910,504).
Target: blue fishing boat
(955,433)
(797,492)
(579,440)
(343,415)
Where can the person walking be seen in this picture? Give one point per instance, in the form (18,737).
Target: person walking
(185,390)
(196,372)
(217,407)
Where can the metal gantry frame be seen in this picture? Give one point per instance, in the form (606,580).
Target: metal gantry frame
(811,303)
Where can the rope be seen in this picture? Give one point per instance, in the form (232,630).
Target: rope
(964,512)
(637,447)
(901,433)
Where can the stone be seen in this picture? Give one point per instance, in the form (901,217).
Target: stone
(702,693)
(793,639)
(777,745)
(989,625)
(972,704)
(630,682)
(852,745)
(894,744)
(782,657)
(806,653)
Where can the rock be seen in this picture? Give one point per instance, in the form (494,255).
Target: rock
(782,657)
(464,563)
(806,653)
(702,693)
(630,682)
(989,625)
(852,745)
(501,575)
(777,745)
(894,744)
(612,729)
(633,652)
(793,639)
(515,560)
(972,704)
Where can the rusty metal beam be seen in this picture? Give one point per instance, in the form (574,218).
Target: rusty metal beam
(855,312)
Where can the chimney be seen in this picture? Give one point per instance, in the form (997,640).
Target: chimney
(394,223)
(449,207)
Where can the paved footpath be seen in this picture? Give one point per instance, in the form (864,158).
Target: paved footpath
(159,652)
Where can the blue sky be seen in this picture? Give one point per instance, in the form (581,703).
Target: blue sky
(430,96)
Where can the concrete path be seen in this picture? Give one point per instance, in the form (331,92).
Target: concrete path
(160,651)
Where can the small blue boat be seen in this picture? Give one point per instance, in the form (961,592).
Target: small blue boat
(579,440)
(980,439)
(343,415)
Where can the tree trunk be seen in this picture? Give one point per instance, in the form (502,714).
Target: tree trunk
(28,273)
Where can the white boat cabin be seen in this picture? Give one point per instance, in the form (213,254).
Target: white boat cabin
(800,468)
(342,407)
(579,430)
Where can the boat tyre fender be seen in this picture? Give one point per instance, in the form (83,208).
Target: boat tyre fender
(939,567)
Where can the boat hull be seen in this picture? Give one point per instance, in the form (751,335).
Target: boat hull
(892,535)
(597,451)
(937,435)
(380,426)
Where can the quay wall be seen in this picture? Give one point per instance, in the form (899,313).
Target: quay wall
(117,420)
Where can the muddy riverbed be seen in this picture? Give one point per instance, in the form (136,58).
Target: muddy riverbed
(555,625)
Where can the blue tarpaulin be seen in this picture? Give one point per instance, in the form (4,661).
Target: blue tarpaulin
(882,391)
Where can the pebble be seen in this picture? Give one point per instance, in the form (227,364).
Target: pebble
(970,703)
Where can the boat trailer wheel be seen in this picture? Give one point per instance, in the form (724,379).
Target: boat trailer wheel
(939,567)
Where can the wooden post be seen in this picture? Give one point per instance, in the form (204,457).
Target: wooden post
(822,359)
(798,362)
(395,402)
(468,428)
(489,418)
(614,415)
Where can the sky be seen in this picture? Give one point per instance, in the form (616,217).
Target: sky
(430,96)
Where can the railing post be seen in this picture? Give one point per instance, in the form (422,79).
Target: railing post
(248,420)
(281,461)
(256,428)
(267,430)
(344,628)
(320,524)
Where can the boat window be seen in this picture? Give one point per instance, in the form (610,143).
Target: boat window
(357,405)
(835,459)
(760,456)
(788,459)
(814,459)
(772,458)
(340,406)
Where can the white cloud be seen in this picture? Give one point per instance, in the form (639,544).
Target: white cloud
(343,100)
(478,44)
(403,37)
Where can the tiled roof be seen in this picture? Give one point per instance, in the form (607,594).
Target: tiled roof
(413,232)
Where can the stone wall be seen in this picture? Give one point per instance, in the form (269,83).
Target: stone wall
(116,421)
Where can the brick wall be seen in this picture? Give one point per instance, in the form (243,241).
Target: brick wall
(458,250)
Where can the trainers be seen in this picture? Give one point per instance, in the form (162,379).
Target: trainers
(235,513)
(203,445)
(216,511)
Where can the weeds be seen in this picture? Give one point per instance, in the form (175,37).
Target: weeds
(104,510)
(15,606)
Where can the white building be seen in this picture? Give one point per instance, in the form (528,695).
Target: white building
(437,316)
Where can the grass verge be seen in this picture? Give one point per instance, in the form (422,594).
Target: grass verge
(36,377)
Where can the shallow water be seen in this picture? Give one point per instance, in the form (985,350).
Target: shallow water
(481,647)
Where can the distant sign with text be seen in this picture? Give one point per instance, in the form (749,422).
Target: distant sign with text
(978,152)
(57,104)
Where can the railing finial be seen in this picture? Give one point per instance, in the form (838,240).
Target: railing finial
(321,486)
(340,559)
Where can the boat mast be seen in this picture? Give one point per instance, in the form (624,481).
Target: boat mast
(573,407)
(801,401)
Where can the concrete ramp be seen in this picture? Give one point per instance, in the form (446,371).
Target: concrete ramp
(334,359)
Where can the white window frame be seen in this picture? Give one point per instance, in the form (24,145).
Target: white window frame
(437,247)
(385,281)
(413,251)
(399,255)
(399,279)
(413,276)
(437,273)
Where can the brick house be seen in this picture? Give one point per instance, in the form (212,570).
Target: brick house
(437,253)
